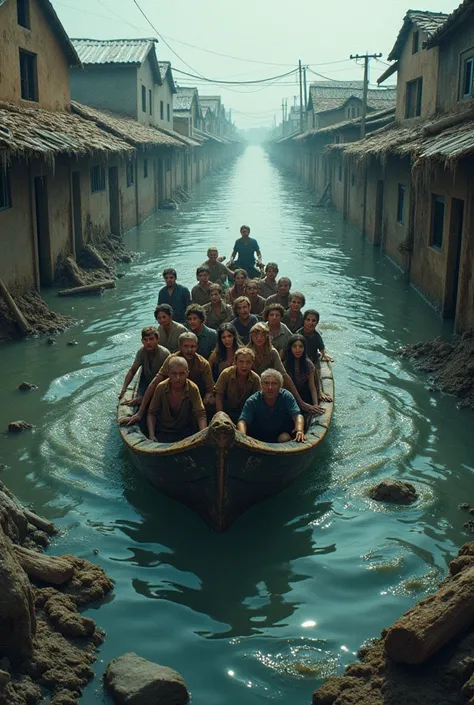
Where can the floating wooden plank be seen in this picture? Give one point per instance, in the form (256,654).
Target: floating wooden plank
(88,288)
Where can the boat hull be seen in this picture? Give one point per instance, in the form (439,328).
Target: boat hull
(220,473)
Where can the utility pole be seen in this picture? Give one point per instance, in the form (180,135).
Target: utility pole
(305,90)
(366,58)
(282,116)
(301,95)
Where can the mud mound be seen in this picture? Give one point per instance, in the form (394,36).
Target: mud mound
(444,679)
(95,263)
(450,364)
(39,317)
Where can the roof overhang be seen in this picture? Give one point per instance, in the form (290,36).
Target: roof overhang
(388,72)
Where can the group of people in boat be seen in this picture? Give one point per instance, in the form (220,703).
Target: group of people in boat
(248,350)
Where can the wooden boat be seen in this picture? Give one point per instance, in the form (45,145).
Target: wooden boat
(219,472)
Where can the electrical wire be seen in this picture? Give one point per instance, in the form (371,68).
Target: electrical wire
(235,83)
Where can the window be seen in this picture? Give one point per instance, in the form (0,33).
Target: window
(23,13)
(5,192)
(413,98)
(401,204)
(130,174)
(168,112)
(437,221)
(29,84)
(97,179)
(337,139)
(162,110)
(415,43)
(467,78)
(144,99)
(150,102)
(145,168)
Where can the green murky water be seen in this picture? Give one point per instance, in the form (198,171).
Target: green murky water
(267,611)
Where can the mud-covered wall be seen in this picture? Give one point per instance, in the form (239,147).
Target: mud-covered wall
(423,64)
(17,255)
(52,63)
(395,233)
(146,185)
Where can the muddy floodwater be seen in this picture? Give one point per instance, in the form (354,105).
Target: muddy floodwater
(267,611)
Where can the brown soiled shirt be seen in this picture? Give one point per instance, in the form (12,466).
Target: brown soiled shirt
(294,324)
(270,360)
(234,396)
(150,364)
(199,295)
(170,340)
(214,320)
(191,409)
(277,299)
(266,289)
(199,372)
(257,306)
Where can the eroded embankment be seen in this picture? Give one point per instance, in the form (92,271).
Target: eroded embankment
(46,645)
(449,363)
(96,264)
(431,649)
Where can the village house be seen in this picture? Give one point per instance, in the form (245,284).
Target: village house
(51,162)
(408,184)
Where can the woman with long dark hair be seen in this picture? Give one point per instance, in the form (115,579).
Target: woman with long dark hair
(301,369)
(240,280)
(228,342)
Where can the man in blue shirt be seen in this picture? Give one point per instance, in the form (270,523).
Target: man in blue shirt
(272,415)
(246,248)
(244,320)
(175,295)
(207,337)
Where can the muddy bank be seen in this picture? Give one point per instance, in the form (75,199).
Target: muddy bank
(450,364)
(46,645)
(96,263)
(445,623)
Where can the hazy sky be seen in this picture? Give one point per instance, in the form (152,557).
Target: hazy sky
(271,31)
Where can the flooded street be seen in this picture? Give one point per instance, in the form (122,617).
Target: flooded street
(268,610)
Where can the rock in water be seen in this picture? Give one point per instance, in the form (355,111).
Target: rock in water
(26,386)
(17,612)
(18,426)
(394,491)
(132,680)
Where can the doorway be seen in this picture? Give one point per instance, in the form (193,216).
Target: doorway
(114,202)
(378,226)
(159,183)
(456,225)
(186,178)
(77,211)
(45,269)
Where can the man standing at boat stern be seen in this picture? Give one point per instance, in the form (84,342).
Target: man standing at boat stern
(272,415)
(176,410)
(245,249)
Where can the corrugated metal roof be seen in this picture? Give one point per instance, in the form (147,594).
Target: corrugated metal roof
(113,51)
(427,22)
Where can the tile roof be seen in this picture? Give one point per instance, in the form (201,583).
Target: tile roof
(166,72)
(460,15)
(183,99)
(44,134)
(126,52)
(325,98)
(374,121)
(427,22)
(126,128)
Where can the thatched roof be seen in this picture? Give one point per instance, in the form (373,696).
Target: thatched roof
(427,22)
(446,140)
(142,136)
(118,52)
(44,134)
(463,14)
(187,141)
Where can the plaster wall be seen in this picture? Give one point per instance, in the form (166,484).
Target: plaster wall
(52,63)
(17,253)
(452,55)
(411,66)
(106,88)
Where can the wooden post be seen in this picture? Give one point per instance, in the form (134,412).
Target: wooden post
(14,310)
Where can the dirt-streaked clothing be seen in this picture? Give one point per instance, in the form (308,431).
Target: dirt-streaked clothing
(280,341)
(199,295)
(269,361)
(257,306)
(214,320)
(199,372)
(170,340)
(277,299)
(190,411)
(234,396)
(294,324)
(150,364)
(314,344)
(266,289)
(218,272)
(244,330)
(301,380)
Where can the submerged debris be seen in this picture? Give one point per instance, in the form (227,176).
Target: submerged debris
(393,491)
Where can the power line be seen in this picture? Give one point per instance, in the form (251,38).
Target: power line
(135,2)
(235,83)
